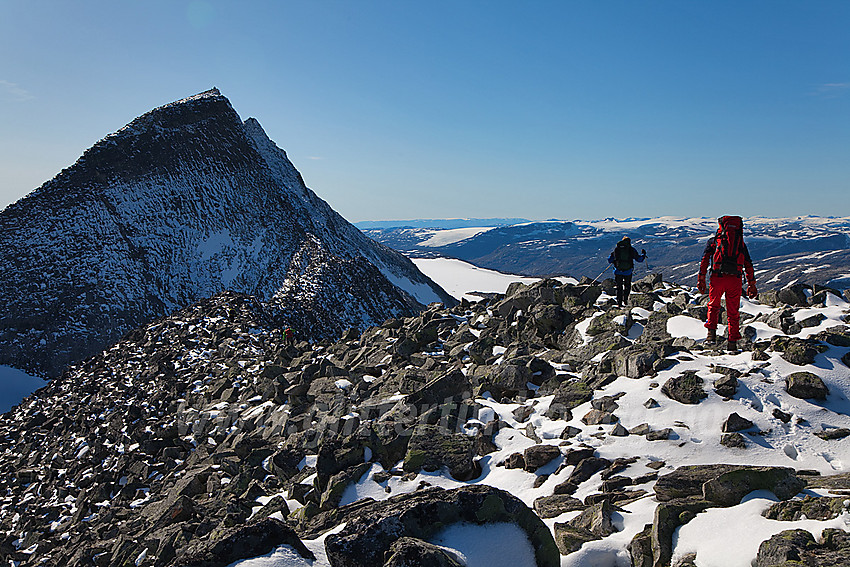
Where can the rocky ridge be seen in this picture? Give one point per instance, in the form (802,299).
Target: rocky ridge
(182,203)
(204,437)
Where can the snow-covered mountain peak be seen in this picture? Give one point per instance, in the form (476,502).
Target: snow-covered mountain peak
(182,203)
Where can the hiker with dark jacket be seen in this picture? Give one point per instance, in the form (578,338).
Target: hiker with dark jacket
(623,257)
(728,256)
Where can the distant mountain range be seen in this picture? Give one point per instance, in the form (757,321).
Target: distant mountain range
(811,250)
(182,203)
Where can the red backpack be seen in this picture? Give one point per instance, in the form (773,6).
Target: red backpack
(728,246)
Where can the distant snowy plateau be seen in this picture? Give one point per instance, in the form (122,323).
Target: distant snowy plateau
(811,250)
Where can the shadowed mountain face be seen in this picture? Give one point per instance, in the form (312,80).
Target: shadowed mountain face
(180,204)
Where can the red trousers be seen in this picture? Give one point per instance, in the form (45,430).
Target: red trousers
(731,286)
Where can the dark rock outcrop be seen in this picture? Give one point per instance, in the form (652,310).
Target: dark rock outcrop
(806,385)
(367,536)
(798,547)
(687,388)
(245,542)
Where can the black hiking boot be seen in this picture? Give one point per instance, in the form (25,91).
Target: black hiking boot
(732,346)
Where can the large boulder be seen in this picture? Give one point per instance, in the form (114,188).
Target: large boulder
(557,504)
(570,393)
(508,379)
(668,516)
(432,447)
(730,487)
(537,456)
(797,351)
(685,388)
(635,364)
(372,528)
(725,485)
(453,385)
(792,548)
(550,319)
(614,321)
(810,507)
(593,523)
(794,294)
(735,423)
(806,385)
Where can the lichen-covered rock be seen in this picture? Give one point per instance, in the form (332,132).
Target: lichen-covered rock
(537,456)
(725,485)
(806,385)
(812,507)
(640,548)
(687,388)
(730,487)
(596,519)
(570,393)
(668,516)
(833,433)
(570,538)
(800,352)
(432,447)
(784,549)
(733,440)
(557,504)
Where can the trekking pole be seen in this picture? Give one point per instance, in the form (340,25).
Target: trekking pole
(600,275)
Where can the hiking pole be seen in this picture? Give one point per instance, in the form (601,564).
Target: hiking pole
(600,275)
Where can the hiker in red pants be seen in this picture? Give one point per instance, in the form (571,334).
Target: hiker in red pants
(729,257)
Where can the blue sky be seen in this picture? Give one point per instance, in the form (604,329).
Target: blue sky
(400,109)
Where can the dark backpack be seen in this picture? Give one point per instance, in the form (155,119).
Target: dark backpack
(623,257)
(728,246)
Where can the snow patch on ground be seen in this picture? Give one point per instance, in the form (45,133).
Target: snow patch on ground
(488,545)
(460,278)
(450,236)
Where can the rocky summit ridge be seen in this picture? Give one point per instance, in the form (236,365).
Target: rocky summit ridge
(182,203)
(204,437)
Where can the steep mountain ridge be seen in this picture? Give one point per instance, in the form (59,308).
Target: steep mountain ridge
(183,202)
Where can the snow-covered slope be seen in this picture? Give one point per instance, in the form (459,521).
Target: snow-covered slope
(184,202)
